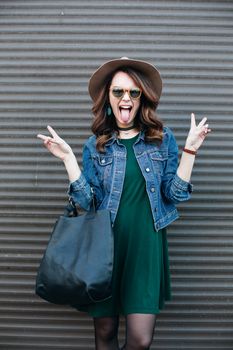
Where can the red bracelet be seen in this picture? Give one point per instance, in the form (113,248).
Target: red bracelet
(189,151)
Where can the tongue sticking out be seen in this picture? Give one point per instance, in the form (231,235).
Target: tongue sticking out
(125,115)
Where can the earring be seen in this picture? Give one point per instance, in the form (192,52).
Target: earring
(109,111)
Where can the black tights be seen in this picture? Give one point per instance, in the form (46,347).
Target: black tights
(139,332)
(106,330)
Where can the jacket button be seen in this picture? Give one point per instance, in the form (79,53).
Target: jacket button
(152,189)
(147,170)
(102,161)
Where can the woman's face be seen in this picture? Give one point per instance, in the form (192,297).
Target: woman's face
(124,108)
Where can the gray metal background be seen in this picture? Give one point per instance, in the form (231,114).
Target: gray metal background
(48,49)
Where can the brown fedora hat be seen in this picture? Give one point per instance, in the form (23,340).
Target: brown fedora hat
(100,77)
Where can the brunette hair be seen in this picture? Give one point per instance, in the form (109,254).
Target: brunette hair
(146,119)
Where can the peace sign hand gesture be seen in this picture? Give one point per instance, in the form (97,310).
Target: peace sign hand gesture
(197,133)
(56,145)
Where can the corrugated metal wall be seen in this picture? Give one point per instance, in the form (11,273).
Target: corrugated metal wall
(48,50)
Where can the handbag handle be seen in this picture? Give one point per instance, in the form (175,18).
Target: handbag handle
(71,209)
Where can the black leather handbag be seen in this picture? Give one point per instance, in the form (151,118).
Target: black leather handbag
(76,268)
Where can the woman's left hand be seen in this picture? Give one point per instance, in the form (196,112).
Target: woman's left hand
(197,133)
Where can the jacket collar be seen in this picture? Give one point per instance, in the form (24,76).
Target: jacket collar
(114,138)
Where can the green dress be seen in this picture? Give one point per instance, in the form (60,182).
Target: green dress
(141,279)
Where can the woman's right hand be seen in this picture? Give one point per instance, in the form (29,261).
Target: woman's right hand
(56,145)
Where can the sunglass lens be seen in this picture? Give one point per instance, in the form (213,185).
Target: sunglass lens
(117,92)
(135,93)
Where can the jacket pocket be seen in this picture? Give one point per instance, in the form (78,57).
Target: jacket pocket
(103,165)
(159,161)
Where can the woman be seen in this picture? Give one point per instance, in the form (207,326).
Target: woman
(130,165)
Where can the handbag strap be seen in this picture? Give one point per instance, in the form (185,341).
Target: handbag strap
(71,209)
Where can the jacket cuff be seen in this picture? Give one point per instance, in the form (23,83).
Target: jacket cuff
(77,185)
(183,185)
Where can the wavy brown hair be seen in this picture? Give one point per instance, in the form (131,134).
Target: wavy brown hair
(146,119)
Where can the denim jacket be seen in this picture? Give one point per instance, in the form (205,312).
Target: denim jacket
(103,175)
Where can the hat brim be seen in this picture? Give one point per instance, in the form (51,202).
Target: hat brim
(100,77)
